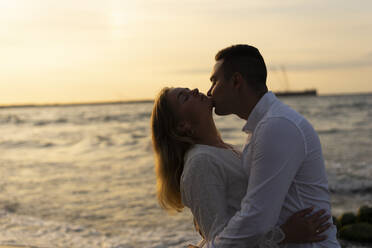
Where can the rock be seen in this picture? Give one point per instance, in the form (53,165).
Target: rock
(361,232)
(365,214)
(347,219)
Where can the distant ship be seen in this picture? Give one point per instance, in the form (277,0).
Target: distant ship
(287,92)
(311,92)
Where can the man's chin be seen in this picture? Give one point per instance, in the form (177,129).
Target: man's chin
(217,112)
(211,104)
(222,111)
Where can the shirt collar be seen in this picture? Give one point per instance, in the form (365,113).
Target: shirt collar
(259,111)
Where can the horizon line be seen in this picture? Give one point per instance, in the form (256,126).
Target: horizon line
(108,102)
(67,104)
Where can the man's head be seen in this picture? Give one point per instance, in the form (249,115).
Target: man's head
(239,72)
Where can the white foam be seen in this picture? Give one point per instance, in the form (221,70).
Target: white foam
(30,231)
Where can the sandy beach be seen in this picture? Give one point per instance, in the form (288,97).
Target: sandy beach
(16,246)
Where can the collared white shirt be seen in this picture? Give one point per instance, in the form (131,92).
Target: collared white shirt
(284,163)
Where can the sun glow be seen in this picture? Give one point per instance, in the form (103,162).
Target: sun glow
(118,22)
(118,19)
(121,16)
(124,50)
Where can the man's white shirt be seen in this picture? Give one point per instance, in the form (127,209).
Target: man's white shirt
(284,163)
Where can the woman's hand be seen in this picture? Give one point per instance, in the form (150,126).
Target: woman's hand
(302,227)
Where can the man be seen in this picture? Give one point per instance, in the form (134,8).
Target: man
(282,158)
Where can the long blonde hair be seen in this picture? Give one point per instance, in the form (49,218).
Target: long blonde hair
(170,148)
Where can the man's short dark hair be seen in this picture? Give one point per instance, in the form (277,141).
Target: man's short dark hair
(246,60)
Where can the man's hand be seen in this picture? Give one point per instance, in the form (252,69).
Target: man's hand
(192,246)
(304,228)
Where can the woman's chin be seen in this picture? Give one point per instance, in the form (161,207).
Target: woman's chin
(210,107)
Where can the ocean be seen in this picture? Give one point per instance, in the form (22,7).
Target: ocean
(83,176)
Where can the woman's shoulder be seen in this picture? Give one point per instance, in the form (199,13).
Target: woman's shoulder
(209,158)
(202,164)
(201,152)
(199,155)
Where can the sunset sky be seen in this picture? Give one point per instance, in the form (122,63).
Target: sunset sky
(54,51)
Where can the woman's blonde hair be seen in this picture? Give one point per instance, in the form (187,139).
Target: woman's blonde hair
(170,148)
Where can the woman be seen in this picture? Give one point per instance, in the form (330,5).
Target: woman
(195,168)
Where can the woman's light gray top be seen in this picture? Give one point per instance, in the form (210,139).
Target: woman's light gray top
(213,184)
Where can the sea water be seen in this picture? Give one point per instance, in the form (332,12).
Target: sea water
(83,176)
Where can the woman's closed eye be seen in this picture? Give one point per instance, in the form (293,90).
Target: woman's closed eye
(185,96)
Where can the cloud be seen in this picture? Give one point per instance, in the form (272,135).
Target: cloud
(365,61)
(194,71)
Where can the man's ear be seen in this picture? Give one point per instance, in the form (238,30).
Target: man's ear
(238,80)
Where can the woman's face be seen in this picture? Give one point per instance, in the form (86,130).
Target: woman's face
(190,105)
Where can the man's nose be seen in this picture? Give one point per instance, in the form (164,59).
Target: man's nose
(209,93)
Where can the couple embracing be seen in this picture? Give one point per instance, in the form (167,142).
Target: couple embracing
(274,193)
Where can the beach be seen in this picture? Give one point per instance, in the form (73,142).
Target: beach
(82,176)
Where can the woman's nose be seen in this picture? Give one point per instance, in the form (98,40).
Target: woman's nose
(195,91)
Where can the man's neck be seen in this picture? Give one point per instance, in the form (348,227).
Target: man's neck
(247,105)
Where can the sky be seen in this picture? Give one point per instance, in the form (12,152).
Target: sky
(54,51)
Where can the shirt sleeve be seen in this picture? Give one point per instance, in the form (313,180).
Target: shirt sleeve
(278,150)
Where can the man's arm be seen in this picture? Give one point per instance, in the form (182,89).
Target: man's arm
(278,150)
